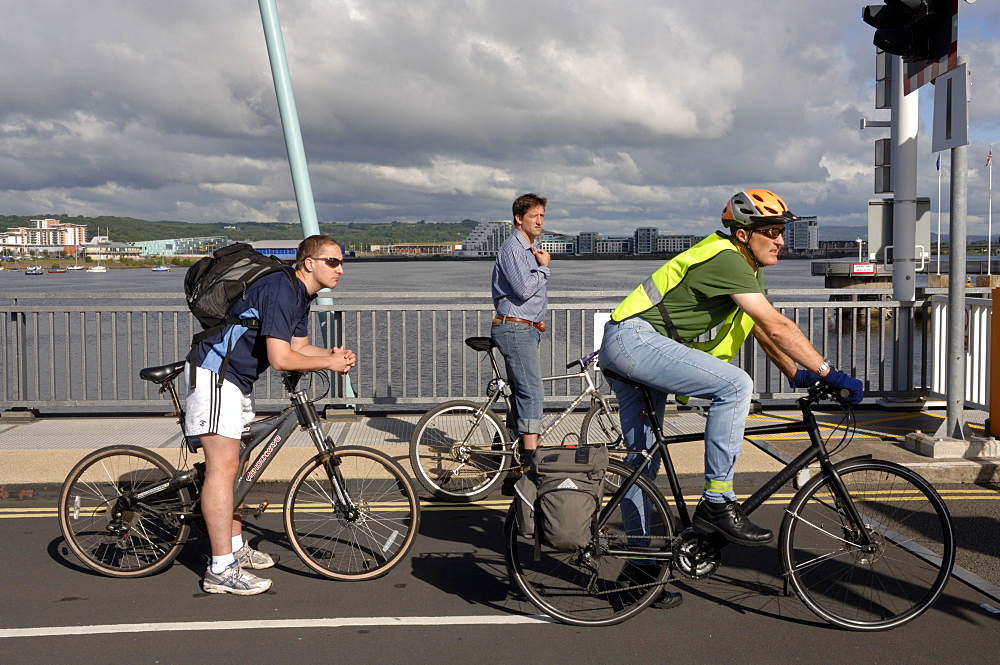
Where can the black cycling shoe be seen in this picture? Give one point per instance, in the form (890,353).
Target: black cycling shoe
(668,601)
(729,520)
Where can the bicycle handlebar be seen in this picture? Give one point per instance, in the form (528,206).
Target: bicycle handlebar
(820,391)
(583,362)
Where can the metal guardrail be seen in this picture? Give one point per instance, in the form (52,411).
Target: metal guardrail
(85,350)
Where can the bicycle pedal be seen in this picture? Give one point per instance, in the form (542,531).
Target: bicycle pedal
(259,510)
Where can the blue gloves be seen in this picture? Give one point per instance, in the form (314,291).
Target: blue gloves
(842,382)
(804,378)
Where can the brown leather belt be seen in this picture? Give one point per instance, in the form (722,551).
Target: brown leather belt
(540,326)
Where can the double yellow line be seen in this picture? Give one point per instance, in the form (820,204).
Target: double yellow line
(949,495)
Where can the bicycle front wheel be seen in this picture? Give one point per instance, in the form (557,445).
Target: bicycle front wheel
(613,579)
(363,537)
(601,426)
(458,452)
(107,527)
(873,587)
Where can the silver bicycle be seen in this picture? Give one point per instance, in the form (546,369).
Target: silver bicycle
(461,450)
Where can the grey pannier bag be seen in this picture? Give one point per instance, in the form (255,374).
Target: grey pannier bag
(558,498)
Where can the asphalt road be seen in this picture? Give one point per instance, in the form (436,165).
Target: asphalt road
(451,601)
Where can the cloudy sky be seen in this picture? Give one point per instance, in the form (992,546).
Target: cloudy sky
(625,114)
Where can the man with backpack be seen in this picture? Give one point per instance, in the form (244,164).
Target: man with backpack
(219,402)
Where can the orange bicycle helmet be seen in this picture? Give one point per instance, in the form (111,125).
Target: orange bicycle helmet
(755,207)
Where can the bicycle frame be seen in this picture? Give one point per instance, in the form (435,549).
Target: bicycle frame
(815,452)
(498,386)
(275,430)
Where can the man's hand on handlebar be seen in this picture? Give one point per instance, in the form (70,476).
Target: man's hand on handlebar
(851,391)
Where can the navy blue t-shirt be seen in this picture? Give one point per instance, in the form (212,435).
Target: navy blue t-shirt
(283,310)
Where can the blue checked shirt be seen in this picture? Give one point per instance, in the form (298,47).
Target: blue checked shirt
(518,281)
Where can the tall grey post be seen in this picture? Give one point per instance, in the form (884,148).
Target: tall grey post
(904,234)
(954,424)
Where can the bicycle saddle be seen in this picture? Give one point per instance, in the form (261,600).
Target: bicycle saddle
(480,343)
(163,372)
(618,377)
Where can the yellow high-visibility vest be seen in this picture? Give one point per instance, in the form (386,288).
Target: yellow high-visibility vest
(734,329)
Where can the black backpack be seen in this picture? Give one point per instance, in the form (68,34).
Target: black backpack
(215,283)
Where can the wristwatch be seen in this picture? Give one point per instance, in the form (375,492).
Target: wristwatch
(825,367)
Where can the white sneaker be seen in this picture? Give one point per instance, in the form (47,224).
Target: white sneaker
(251,558)
(234,580)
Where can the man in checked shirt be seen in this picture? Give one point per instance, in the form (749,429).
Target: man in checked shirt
(520,277)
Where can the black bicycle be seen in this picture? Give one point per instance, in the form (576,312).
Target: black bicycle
(865,543)
(350,513)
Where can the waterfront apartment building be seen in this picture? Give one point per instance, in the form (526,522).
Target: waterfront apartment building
(557,245)
(48,236)
(802,235)
(586,242)
(486,238)
(674,244)
(645,239)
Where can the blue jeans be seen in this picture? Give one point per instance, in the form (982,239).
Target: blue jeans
(519,344)
(633,349)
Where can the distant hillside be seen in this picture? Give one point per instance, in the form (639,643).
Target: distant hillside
(129,229)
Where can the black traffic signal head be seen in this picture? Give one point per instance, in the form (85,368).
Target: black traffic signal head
(918,30)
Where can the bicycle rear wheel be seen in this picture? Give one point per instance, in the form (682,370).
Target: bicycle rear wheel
(601,426)
(359,541)
(616,577)
(884,586)
(458,453)
(106,528)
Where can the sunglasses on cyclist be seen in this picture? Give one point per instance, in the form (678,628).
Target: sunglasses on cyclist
(334,263)
(773,234)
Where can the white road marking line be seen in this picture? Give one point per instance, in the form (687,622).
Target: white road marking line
(344,622)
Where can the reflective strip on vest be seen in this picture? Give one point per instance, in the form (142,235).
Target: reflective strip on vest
(734,329)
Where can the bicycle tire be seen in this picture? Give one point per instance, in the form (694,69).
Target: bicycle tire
(868,591)
(146,538)
(356,547)
(592,587)
(459,455)
(602,427)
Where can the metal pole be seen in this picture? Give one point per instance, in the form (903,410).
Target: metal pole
(289,117)
(939,215)
(295,148)
(904,215)
(954,424)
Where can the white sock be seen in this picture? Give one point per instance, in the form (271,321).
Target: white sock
(237,542)
(220,563)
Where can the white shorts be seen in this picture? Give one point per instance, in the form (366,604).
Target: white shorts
(214,409)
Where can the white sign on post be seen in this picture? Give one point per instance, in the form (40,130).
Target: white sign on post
(951,109)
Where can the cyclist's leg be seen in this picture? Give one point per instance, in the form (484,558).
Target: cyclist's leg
(216,413)
(636,350)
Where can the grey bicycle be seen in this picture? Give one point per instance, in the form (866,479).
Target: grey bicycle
(350,513)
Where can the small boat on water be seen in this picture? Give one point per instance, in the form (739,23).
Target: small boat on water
(34,270)
(57,270)
(74,267)
(98,268)
(160,268)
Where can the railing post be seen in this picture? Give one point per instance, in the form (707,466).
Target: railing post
(992,381)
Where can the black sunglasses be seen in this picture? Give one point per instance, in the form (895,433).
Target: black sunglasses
(773,234)
(329,260)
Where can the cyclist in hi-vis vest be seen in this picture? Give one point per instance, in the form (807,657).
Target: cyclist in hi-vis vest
(717,283)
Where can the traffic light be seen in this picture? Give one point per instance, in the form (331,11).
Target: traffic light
(917,30)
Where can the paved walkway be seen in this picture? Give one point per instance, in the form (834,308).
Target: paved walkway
(38,454)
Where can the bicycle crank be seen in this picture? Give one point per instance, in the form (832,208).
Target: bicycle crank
(696,555)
